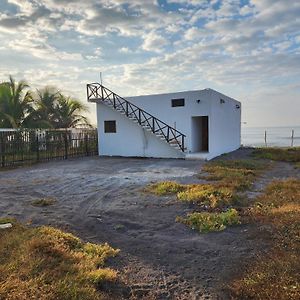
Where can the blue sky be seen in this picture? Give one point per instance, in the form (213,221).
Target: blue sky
(247,49)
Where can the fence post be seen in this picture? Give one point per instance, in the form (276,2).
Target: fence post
(266,138)
(86,145)
(292,144)
(66,145)
(2,149)
(37,146)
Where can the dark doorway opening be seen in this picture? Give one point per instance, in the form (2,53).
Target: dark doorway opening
(200,136)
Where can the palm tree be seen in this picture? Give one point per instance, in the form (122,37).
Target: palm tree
(15,104)
(70,113)
(45,114)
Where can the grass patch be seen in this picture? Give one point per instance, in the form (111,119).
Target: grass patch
(276,275)
(207,222)
(46,263)
(278,154)
(238,175)
(43,202)
(165,188)
(230,178)
(207,194)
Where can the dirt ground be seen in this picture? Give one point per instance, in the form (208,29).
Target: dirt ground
(101,199)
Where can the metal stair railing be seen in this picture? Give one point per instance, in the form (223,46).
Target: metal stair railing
(96,91)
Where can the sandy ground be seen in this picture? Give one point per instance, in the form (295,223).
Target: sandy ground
(101,199)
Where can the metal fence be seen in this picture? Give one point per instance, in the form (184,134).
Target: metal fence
(29,146)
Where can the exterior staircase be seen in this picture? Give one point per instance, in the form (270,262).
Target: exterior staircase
(96,92)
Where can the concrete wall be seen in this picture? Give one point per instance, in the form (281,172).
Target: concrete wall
(226,126)
(179,117)
(132,140)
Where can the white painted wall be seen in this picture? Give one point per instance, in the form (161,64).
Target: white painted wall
(132,140)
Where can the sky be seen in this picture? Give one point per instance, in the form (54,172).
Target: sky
(246,49)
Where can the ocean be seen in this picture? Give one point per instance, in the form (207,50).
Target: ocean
(276,136)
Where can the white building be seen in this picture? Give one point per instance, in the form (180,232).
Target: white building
(193,124)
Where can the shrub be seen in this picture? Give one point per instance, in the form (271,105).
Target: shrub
(207,222)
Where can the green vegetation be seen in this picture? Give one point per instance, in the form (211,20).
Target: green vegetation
(43,202)
(46,263)
(207,194)
(165,188)
(277,274)
(207,222)
(229,176)
(237,175)
(47,108)
(278,154)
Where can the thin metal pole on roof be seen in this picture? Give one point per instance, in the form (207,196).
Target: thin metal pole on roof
(101,78)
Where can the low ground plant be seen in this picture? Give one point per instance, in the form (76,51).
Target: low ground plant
(165,188)
(207,222)
(43,202)
(238,175)
(278,154)
(211,195)
(277,274)
(46,263)
(228,178)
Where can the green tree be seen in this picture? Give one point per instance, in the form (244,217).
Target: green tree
(45,104)
(15,104)
(70,113)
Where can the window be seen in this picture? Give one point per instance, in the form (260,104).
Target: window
(177,102)
(110,127)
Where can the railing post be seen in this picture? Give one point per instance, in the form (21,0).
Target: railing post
(114,99)
(86,145)
(66,145)
(2,149)
(126,108)
(182,145)
(153,125)
(140,119)
(168,134)
(37,146)
(101,92)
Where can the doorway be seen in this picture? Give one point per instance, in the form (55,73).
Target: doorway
(200,134)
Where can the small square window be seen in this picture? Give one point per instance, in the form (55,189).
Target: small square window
(110,127)
(177,102)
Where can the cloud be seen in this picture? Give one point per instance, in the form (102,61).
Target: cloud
(144,46)
(154,42)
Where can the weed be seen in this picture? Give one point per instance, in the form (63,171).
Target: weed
(235,174)
(278,154)
(165,188)
(207,222)
(207,194)
(276,275)
(119,227)
(43,202)
(46,263)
